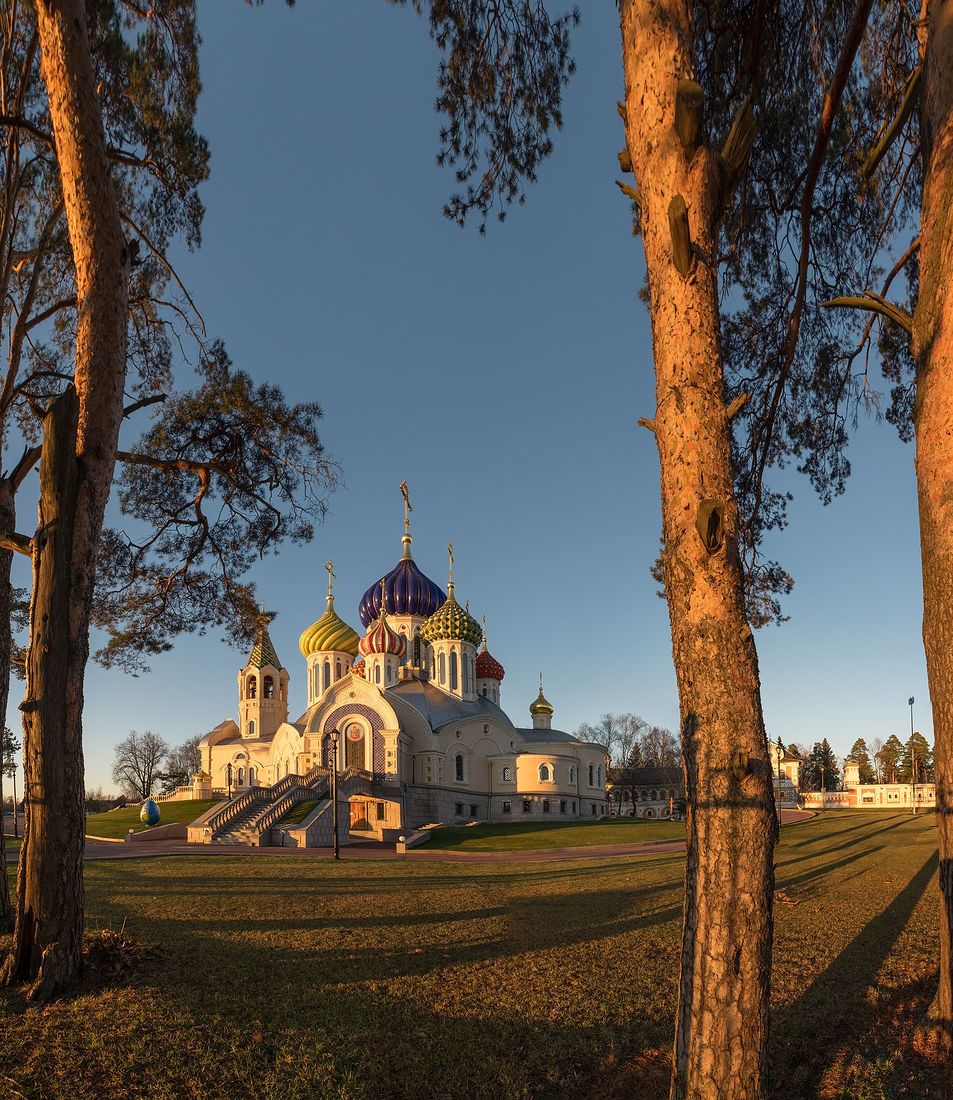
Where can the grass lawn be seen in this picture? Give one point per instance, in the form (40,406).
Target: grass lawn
(281,978)
(523,835)
(298,812)
(116,823)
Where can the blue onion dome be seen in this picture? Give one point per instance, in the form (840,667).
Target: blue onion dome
(451,622)
(407,591)
(330,632)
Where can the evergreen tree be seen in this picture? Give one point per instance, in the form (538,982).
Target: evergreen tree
(823,772)
(916,761)
(890,757)
(860,754)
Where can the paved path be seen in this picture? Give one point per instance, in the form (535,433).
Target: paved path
(97,849)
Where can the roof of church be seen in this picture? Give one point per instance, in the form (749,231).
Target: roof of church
(440,709)
(544,735)
(263,652)
(329,633)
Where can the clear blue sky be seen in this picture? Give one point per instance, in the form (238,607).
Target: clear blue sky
(502,376)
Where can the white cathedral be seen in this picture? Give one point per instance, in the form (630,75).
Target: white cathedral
(418,717)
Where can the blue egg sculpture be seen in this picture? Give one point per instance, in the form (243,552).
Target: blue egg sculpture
(150,813)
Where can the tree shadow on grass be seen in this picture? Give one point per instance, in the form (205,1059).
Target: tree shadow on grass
(833,1010)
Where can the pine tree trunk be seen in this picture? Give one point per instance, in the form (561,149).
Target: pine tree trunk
(7,523)
(932,347)
(724,982)
(48,936)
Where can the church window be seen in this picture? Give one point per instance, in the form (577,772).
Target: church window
(416,650)
(327,675)
(389,673)
(545,805)
(459,766)
(377,672)
(507,774)
(574,806)
(593,809)
(495,699)
(507,806)
(251,728)
(562,806)
(484,693)
(591,771)
(252,687)
(251,777)
(473,809)
(443,668)
(241,777)
(545,773)
(381,811)
(458,809)
(337,670)
(527,806)
(572,773)
(655,796)
(453,670)
(466,674)
(268,688)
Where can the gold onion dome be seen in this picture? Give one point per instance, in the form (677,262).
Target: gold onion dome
(541,705)
(330,632)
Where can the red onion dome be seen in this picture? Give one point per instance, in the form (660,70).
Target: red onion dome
(488,667)
(382,638)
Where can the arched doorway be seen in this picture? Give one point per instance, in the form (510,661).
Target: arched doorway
(354,750)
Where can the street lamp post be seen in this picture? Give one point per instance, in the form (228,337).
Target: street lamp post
(913,762)
(335,737)
(228,774)
(780,754)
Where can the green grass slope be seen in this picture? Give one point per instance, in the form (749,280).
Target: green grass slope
(116,823)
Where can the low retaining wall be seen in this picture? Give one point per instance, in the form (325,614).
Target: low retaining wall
(176,831)
(414,840)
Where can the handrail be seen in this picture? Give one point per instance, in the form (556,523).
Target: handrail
(232,809)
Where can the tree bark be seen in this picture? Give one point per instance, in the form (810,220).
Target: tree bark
(724,982)
(7,523)
(48,936)
(932,345)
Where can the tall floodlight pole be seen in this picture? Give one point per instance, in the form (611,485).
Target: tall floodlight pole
(823,792)
(913,761)
(780,754)
(335,737)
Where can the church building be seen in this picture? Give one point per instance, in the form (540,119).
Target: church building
(413,705)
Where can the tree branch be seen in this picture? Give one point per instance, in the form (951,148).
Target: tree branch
(876,155)
(19,544)
(873,303)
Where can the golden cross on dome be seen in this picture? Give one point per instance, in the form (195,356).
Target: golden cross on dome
(383,596)
(408,507)
(484,630)
(329,566)
(450,552)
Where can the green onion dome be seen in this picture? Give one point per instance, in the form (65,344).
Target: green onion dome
(329,633)
(452,623)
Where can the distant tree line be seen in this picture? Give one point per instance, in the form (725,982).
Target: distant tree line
(144,761)
(890,761)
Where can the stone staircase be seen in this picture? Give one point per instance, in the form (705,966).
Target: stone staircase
(248,818)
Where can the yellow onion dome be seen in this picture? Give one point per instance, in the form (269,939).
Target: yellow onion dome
(451,623)
(329,633)
(541,705)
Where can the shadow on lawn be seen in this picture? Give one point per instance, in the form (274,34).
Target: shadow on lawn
(833,1013)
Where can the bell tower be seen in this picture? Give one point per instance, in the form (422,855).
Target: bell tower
(262,688)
